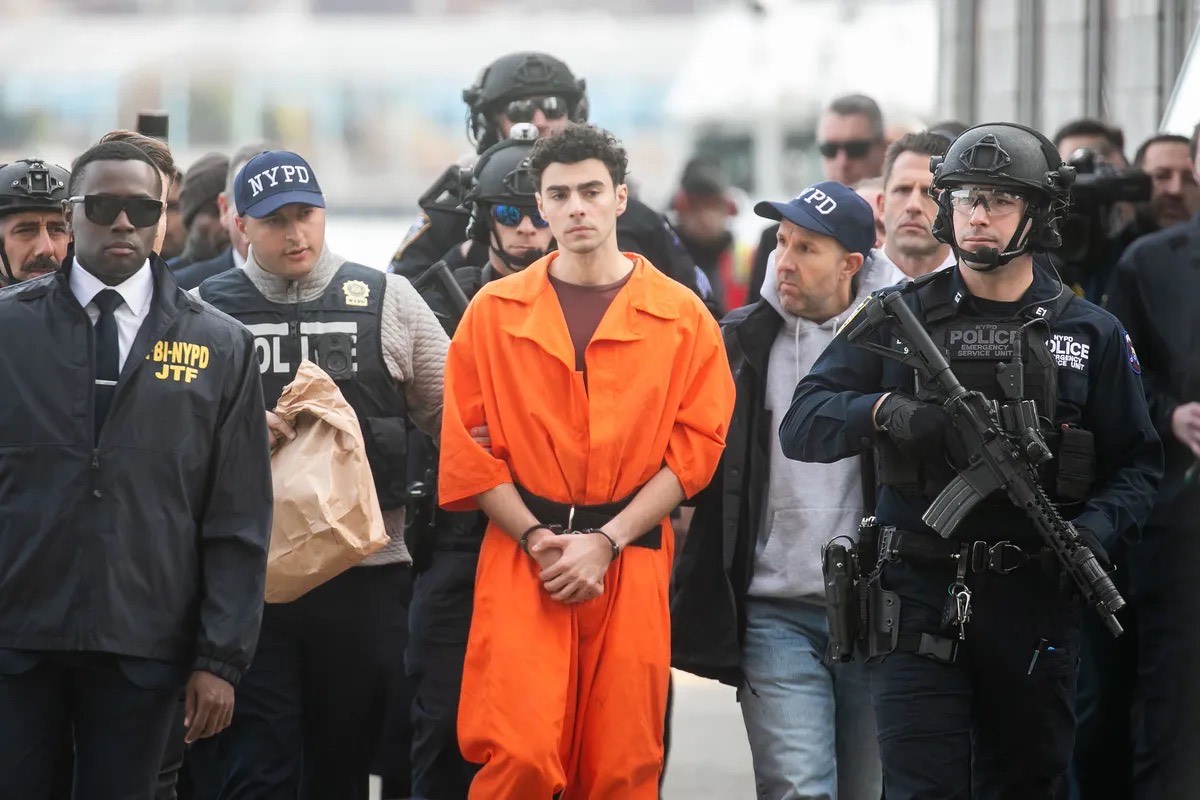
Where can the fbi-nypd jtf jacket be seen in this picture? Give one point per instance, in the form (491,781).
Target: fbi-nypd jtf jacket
(151,542)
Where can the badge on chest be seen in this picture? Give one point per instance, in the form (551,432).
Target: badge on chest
(995,341)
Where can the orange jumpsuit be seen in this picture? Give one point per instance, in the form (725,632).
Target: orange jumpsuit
(572,698)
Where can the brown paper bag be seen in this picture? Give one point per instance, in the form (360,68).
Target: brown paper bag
(327,515)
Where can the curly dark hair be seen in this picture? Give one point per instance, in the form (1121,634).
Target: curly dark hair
(580,142)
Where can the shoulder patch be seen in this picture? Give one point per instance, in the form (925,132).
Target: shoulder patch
(1131,354)
(414,232)
(846,323)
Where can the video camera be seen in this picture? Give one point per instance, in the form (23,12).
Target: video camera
(1086,229)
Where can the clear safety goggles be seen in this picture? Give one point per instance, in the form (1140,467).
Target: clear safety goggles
(996,202)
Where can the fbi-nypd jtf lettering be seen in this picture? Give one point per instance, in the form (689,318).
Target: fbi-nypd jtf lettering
(181,361)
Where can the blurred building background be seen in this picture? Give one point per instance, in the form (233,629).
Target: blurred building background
(1045,62)
(370,90)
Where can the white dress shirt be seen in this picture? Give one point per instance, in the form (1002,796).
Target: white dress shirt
(239,261)
(137,290)
(881,253)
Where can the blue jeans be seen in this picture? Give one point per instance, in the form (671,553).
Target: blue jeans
(811,728)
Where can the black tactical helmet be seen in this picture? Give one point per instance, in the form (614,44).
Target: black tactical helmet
(514,77)
(1012,157)
(1004,155)
(501,175)
(32,185)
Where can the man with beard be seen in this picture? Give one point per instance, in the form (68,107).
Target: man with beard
(235,254)
(33,235)
(34,240)
(1174,195)
(504,219)
(207,237)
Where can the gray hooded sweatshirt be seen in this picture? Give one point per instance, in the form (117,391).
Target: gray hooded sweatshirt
(806,504)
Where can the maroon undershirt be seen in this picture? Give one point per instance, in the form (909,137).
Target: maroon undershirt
(583,307)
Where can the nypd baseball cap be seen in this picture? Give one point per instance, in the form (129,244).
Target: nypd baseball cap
(272,180)
(829,208)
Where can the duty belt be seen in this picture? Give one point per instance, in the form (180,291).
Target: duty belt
(572,517)
(923,548)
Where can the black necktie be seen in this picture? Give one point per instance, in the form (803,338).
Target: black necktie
(108,353)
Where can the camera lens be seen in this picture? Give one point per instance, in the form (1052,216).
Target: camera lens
(337,362)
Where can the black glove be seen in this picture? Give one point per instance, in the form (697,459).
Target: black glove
(923,431)
(1097,549)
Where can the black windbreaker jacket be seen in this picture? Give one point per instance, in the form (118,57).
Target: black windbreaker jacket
(153,542)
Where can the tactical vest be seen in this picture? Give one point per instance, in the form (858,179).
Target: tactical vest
(340,331)
(1005,360)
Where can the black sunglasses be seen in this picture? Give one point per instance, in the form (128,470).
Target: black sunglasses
(511,216)
(553,107)
(855,148)
(103,209)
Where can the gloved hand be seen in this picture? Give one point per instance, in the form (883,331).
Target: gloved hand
(923,431)
(1097,549)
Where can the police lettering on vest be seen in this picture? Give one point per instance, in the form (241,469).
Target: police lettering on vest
(270,339)
(287,333)
(990,340)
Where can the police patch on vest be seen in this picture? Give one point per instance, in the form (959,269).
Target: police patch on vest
(1070,352)
(356,293)
(1134,364)
(991,340)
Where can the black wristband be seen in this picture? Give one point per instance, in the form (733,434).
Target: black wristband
(525,536)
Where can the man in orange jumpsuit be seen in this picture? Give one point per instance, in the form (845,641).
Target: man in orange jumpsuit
(607,394)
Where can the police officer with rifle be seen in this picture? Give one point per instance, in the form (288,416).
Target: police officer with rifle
(1013,447)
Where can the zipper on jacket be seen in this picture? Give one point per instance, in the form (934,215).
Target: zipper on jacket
(295,326)
(97,492)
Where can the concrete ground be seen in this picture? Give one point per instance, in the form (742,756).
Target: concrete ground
(710,758)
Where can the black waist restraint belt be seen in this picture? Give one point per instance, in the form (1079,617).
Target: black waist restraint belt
(577,518)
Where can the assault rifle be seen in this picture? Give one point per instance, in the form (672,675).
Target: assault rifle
(1004,451)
